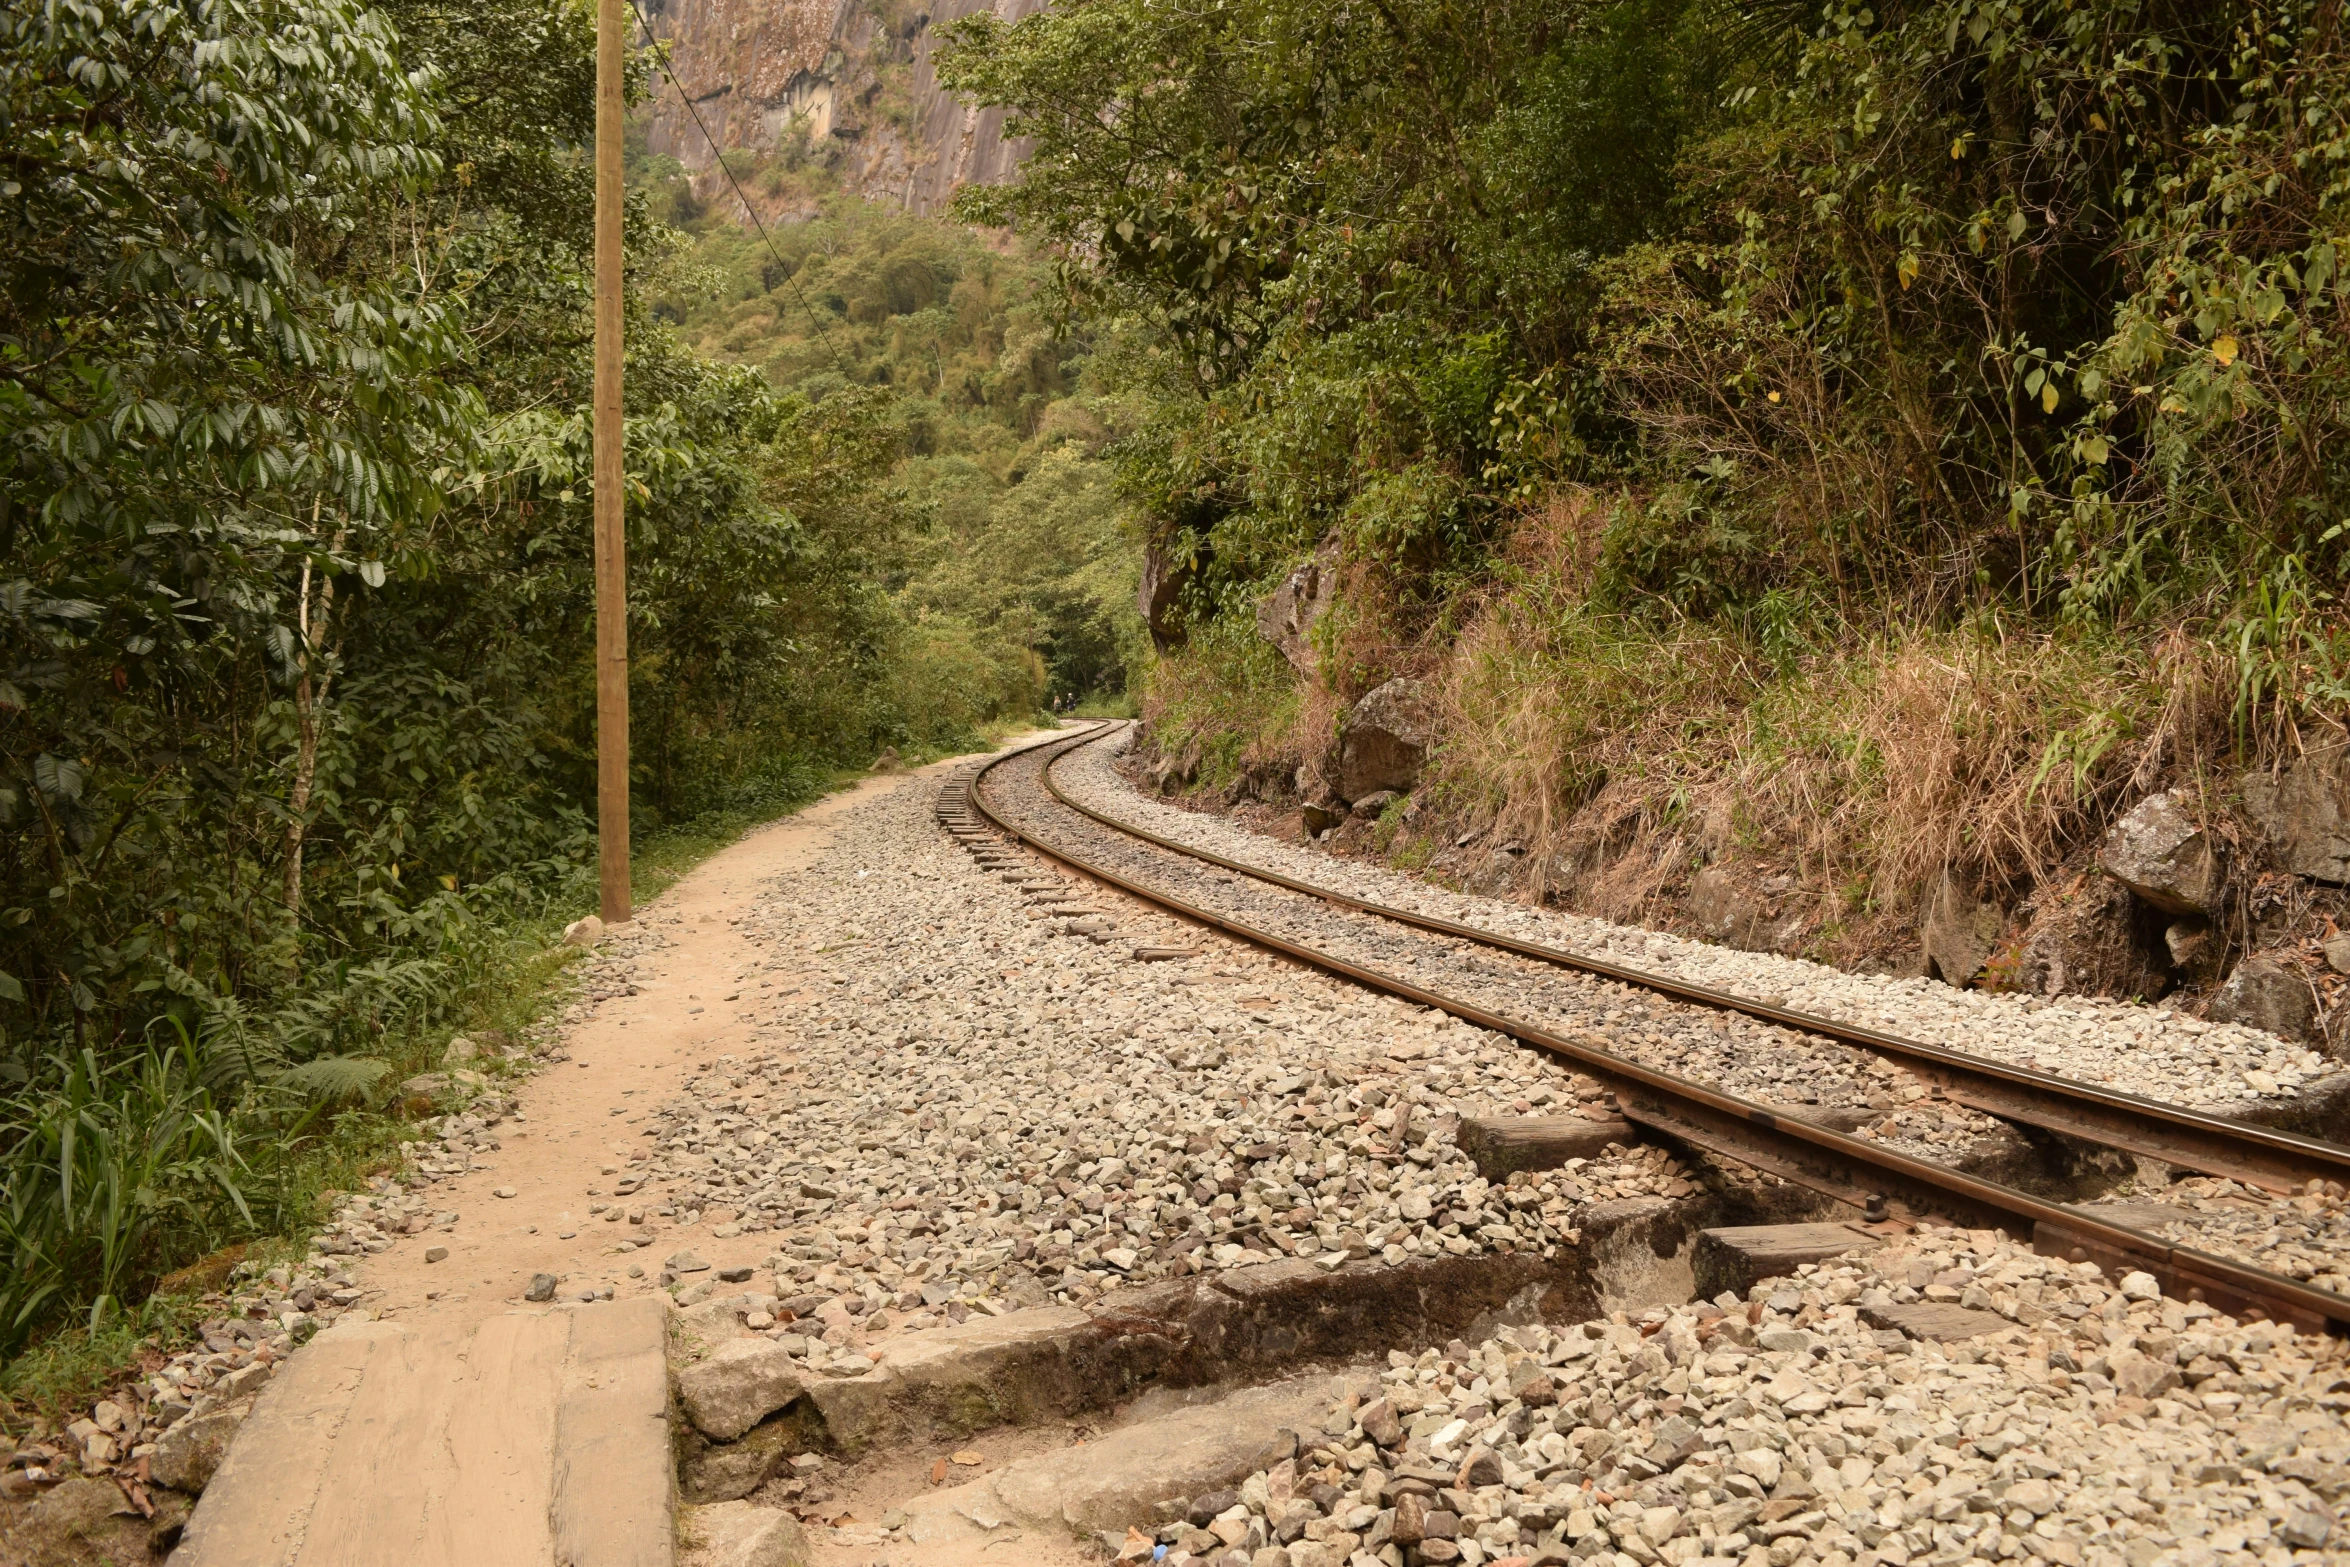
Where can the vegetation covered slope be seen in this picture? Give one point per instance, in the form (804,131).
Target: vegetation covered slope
(1880,439)
(296,700)
(1021,540)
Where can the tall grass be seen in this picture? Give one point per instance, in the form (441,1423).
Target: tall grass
(111,1166)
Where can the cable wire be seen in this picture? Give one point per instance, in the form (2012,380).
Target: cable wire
(719,156)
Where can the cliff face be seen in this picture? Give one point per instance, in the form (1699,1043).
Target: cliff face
(856,74)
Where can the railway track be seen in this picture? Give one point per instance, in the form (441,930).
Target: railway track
(1886,1185)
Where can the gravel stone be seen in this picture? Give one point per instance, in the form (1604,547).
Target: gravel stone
(1679,1437)
(966,1095)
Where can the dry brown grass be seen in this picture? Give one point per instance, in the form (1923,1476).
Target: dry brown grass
(1622,753)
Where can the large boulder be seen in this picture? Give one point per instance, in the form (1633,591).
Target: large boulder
(2160,852)
(1286,616)
(1384,742)
(1959,932)
(2265,994)
(2304,812)
(739,1384)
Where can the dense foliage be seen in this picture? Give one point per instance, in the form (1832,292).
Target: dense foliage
(1003,441)
(295,688)
(2028,308)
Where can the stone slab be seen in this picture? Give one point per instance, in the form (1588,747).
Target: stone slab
(1942,1324)
(1500,1146)
(1737,1258)
(615,1481)
(738,1534)
(538,1439)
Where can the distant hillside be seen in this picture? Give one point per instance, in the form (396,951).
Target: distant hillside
(850,80)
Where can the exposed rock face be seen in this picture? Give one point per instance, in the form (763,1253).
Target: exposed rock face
(1723,912)
(2304,812)
(1286,617)
(1959,932)
(1162,585)
(2089,945)
(2263,993)
(754,67)
(2161,852)
(1385,740)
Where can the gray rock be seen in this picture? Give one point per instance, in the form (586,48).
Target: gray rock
(2306,1528)
(1384,741)
(2188,941)
(1735,917)
(187,1455)
(1318,816)
(2337,953)
(452,1087)
(686,1262)
(2160,852)
(1374,804)
(1286,617)
(2263,993)
(737,1534)
(739,1384)
(1959,931)
(2142,1378)
(64,1524)
(729,1471)
(542,1287)
(2304,813)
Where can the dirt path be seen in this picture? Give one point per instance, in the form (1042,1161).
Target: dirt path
(580,1118)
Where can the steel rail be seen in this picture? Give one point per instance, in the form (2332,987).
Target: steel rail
(1845,1168)
(2244,1151)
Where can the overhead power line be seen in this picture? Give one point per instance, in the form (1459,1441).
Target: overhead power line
(719,156)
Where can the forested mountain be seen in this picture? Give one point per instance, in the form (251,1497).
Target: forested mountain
(1004,438)
(1812,454)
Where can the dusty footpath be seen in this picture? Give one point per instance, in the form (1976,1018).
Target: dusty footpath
(663,999)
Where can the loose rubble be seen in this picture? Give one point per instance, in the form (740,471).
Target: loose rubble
(2099,1426)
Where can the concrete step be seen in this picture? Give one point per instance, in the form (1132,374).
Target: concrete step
(538,1439)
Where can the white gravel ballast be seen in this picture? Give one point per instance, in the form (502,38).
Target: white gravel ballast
(2153,1051)
(2100,1426)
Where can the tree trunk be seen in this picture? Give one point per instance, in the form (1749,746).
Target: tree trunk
(310,688)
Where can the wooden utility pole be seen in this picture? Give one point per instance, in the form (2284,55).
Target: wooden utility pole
(611,541)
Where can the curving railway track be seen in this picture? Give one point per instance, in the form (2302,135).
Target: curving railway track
(1379,946)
